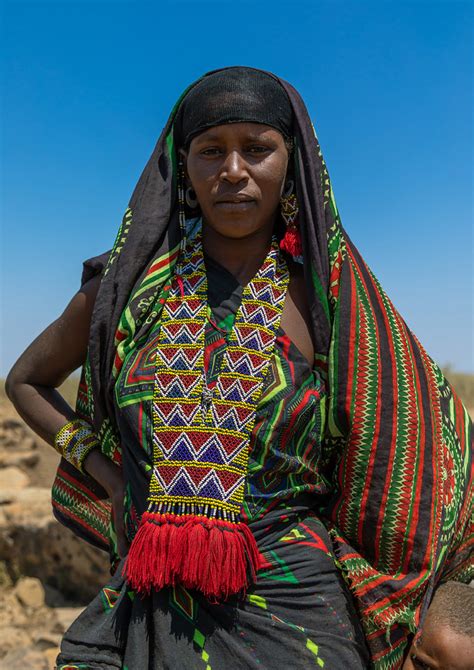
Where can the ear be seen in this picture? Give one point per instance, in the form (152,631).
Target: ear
(289,176)
(290,145)
(290,172)
(183,156)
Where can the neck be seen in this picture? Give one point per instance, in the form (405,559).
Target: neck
(242,257)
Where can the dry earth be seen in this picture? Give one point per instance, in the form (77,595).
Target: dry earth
(47,575)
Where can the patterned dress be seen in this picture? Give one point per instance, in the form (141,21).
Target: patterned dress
(300,613)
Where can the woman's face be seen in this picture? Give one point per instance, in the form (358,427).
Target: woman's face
(238,172)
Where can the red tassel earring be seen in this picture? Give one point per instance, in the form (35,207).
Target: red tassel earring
(291,242)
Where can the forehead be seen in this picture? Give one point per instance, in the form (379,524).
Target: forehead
(447,648)
(239,130)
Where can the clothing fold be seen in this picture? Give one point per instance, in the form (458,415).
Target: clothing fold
(299,612)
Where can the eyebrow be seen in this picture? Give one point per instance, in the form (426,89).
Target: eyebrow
(215,137)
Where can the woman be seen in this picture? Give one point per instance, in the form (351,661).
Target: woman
(268,431)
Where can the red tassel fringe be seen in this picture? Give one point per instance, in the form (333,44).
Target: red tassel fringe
(291,242)
(219,558)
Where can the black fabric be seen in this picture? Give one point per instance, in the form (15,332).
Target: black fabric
(221,283)
(240,94)
(299,612)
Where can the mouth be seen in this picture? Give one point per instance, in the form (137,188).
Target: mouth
(236,201)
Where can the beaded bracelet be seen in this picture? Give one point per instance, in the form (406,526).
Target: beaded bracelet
(74,441)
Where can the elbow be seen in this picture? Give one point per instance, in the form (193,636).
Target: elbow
(11,384)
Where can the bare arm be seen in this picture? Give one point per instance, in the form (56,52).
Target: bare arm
(48,361)
(32,385)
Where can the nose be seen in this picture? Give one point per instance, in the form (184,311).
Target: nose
(234,168)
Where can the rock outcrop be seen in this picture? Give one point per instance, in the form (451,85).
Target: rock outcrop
(30,631)
(47,574)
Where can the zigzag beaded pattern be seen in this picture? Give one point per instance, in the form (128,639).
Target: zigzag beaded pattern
(201,436)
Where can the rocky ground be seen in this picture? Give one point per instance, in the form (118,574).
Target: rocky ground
(46,574)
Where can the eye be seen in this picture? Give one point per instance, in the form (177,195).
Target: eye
(258,149)
(210,151)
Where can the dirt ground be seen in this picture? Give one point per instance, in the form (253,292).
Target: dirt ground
(38,556)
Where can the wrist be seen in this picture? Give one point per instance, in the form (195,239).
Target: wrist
(101,468)
(90,460)
(75,441)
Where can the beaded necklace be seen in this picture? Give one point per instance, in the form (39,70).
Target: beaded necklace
(191,532)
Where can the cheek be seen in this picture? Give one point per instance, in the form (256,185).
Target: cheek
(272,179)
(200,174)
(271,195)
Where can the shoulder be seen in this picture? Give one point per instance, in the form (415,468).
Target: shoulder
(295,319)
(297,289)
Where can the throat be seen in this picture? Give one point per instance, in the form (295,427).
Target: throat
(240,257)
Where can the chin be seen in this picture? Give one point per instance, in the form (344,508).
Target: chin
(233,227)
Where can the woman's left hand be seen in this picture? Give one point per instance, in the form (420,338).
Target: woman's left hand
(110,477)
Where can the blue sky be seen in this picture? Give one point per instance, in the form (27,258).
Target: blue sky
(88,86)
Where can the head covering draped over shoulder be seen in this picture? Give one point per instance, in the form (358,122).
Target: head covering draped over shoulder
(398,440)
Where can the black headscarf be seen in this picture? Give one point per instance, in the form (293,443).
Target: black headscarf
(232,96)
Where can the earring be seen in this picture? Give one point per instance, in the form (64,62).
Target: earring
(291,242)
(181,212)
(182,226)
(289,186)
(191,199)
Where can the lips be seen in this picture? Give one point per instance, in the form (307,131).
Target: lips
(235,203)
(239,206)
(236,199)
